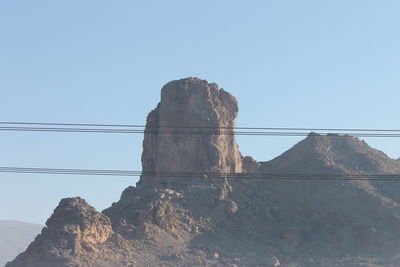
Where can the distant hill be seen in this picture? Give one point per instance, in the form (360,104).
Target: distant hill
(15,236)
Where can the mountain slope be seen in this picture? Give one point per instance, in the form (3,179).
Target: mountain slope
(332,153)
(342,217)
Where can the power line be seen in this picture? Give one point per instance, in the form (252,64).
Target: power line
(186,175)
(181,130)
(197,127)
(71,124)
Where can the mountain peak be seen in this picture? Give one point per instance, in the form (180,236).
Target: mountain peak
(332,153)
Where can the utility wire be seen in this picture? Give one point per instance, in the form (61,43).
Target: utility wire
(71,124)
(261,175)
(197,127)
(181,130)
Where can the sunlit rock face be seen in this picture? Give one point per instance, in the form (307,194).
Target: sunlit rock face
(192,108)
(80,224)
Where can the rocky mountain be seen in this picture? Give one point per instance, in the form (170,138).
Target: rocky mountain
(15,237)
(182,214)
(333,153)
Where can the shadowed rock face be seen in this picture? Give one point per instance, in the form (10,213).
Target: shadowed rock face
(188,105)
(202,221)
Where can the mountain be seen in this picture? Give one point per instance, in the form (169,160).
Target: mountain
(183,212)
(333,153)
(14,238)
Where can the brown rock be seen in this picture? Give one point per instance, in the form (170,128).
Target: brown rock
(75,230)
(192,108)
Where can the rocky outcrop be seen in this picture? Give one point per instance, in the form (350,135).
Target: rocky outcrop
(189,131)
(274,218)
(75,235)
(179,138)
(80,224)
(198,219)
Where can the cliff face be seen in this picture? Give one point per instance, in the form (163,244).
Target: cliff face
(198,220)
(180,125)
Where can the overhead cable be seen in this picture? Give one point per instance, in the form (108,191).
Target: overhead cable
(192,131)
(197,127)
(191,175)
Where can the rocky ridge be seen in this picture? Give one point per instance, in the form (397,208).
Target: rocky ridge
(198,220)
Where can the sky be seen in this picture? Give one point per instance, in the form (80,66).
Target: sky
(310,63)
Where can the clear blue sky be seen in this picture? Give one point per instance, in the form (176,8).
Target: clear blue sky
(289,63)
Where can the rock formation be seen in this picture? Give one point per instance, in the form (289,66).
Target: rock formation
(179,127)
(75,235)
(197,219)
